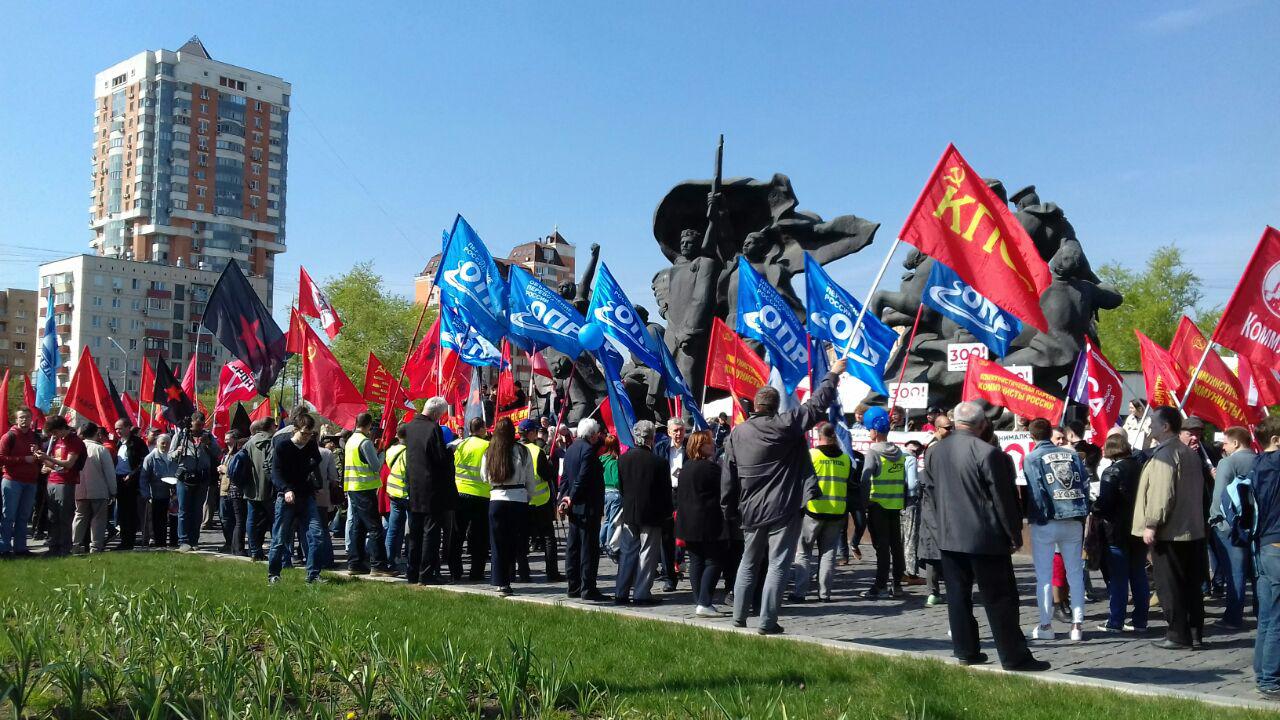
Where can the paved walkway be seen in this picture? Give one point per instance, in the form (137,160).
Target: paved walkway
(1222,673)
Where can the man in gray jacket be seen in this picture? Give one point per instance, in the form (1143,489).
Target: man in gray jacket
(766,479)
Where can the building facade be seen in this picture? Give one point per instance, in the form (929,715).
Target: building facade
(549,259)
(189,162)
(127,311)
(19,321)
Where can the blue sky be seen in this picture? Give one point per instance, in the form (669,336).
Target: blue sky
(1149,123)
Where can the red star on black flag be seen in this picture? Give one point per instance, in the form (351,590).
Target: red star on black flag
(178,408)
(240,321)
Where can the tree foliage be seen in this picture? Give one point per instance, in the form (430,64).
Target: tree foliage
(373,320)
(1155,299)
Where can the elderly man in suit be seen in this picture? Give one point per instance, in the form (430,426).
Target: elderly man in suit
(582,500)
(978,528)
(433,495)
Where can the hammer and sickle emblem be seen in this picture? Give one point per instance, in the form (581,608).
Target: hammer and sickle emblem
(954,176)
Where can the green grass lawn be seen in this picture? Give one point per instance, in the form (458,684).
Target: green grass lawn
(177,632)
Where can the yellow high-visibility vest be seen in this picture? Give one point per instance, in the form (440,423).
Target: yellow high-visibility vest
(358,474)
(833,483)
(396,486)
(466,462)
(541,491)
(889,486)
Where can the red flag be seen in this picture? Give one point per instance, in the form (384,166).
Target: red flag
(296,339)
(189,377)
(959,221)
(733,366)
(1216,395)
(88,395)
(986,380)
(539,364)
(1106,391)
(262,411)
(378,381)
(235,384)
(606,415)
(1261,388)
(4,401)
(1250,323)
(131,409)
(738,413)
(422,365)
(1164,379)
(506,403)
(29,399)
(326,386)
(313,303)
(146,390)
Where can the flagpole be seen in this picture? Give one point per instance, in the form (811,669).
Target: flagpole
(1195,375)
(884,266)
(893,397)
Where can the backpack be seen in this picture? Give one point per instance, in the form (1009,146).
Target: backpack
(1240,511)
(240,469)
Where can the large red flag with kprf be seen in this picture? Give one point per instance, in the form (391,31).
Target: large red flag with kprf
(1261,387)
(1216,394)
(326,386)
(1106,390)
(960,222)
(88,395)
(733,366)
(313,303)
(989,381)
(1164,379)
(1250,323)
(29,399)
(378,381)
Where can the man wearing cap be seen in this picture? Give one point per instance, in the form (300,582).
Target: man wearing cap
(765,477)
(541,509)
(888,477)
(837,475)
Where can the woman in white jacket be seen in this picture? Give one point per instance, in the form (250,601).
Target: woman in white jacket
(94,492)
(508,469)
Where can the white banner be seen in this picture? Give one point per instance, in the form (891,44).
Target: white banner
(958,355)
(912,396)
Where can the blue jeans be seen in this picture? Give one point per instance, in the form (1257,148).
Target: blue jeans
(190,512)
(612,506)
(1127,571)
(1266,650)
(366,540)
(1233,568)
(304,509)
(18,498)
(395,528)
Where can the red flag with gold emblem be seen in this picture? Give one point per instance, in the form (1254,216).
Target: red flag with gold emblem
(1164,379)
(326,386)
(989,381)
(378,381)
(732,365)
(1216,394)
(960,222)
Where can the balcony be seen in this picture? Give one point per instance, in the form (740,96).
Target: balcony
(160,294)
(157,334)
(64,330)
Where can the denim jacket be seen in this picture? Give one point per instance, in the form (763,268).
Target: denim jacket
(1057,484)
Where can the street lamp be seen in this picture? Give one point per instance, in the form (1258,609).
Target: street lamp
(124,372)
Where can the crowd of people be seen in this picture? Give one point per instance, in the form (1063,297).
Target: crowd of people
(751,517)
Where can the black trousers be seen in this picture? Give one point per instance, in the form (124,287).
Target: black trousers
(1179,569)
(127,511)
(233,513)
(508,530)
(542,526)
(706,562)
(470,523)
(426,538)
(582,551)
(994,575)
(164,527)
(263,516)
(670,557)
(886,538)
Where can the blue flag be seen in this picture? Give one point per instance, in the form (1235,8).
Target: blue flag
(677,387)
(765,316)
(465,339)
(50,359)
(832,314)
(953,297)
(540,317)
(818,369)
(624,416)
(622,326)
(471,286)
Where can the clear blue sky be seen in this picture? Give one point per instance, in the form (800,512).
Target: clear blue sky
(1149,123)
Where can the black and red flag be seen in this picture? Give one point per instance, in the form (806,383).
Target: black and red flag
(178,406)
(243,325)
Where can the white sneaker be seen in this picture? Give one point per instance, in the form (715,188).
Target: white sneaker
(1043,633)
(1077,633)
(709,611)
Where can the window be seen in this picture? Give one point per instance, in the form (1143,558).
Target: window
(204,126)
(257,105)
(19,361)
(204,107)
(134,285)
(253,184)
(4,344)
(179,311)
(115,302)
(135,304)
(133,344)
(177,349)
(20,330)
(98,281)
(199,191)
(204,93)
(20,346)
(117,283)
(95,321)
(257,168)
(253,201)
(203,159)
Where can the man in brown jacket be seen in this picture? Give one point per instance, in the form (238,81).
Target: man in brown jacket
(1169,517)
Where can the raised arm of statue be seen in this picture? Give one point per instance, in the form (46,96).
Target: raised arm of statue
(584,287)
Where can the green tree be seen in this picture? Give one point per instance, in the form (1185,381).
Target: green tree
(1155,299)
(373,320)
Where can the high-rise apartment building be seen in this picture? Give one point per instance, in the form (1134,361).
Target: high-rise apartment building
(189,162)
(19,321)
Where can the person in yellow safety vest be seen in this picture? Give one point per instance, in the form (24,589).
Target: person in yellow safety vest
(832,493)
(471,520)
(398,494)
(888,476)
(542,512)
(365,536)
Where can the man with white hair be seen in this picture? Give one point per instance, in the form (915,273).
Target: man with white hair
(433,494)
(978,528)
(646,507)
(670,448)
(582,500)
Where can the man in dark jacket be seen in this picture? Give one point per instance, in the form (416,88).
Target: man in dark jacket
(261,497)
(766,479)
(1265,479)
(582,500)
(433,495)
(644,481)
(978,528)
(295,460)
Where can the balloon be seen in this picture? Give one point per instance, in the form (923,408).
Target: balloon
(591,336)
